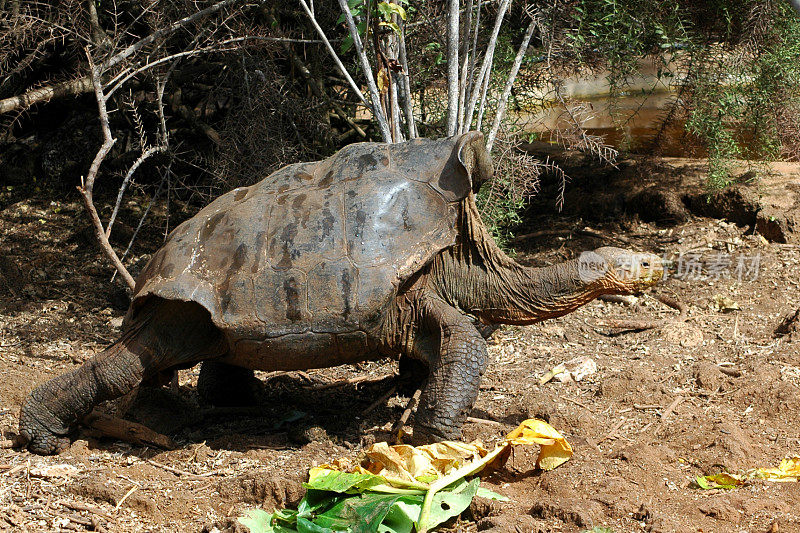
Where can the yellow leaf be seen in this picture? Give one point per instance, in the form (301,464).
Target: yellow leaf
(555,450)
(788,470)
(402,464)
(551,374)
(428,462)
(383,80)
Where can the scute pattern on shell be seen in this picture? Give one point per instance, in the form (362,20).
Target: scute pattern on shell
(318,247)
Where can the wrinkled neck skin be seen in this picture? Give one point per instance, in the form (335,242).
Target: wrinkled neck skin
(480,279)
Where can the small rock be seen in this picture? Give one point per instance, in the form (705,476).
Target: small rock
(54,471)
(683,334)
(584,369)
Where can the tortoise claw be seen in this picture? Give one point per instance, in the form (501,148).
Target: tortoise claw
(40,438)
(42,442)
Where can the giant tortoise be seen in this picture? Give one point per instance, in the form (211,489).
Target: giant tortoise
(376,251)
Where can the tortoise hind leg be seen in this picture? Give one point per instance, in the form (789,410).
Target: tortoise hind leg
(163,334)
(226,385)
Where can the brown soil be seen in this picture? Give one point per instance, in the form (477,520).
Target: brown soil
(634,458)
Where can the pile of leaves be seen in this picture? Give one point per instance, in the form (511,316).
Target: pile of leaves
(398,489)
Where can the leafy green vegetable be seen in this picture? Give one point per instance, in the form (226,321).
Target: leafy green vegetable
(407,492)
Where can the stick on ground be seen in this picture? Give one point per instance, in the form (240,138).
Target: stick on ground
(351,381)
(412,403)
(110,426)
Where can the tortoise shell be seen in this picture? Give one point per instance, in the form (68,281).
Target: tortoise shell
(319,247)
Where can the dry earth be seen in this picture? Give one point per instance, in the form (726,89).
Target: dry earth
(715,391)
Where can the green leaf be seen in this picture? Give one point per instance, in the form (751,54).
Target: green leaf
(257,521)
(317,501)
(260,521)
(336,481)
(306,526)
(401,517)
(362,514)
(447,504)
(347,44)
(702,483)
(387,9)
(491,495)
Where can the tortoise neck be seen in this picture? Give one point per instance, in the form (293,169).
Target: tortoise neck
(479,278)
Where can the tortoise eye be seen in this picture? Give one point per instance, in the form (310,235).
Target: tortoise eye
(646,264)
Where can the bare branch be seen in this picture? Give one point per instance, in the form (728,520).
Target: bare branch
(45,94)
(377,111)
(512,76)
(141,159)
(488,58)
(318,89)
(120,79)
(87,185)
(335,57)
(146,212)
(141,43)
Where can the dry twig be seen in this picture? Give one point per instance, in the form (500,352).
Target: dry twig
(182,473)
(351,381)
(380,401)
(412,403)
(671,408)
(484,421)
(127,431)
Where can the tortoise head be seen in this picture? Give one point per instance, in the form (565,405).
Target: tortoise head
(470,150)
(620,271)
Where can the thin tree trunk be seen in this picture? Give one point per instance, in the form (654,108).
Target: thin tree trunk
(393,52)
(386,133)
(408,102)
(486,65)
(512,76)
(452,66)
(462,86)
(484,92)
(470,83)
(335,57)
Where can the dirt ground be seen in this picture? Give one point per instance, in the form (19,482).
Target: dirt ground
(712,390)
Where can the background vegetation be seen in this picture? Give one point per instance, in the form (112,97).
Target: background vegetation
(169,102)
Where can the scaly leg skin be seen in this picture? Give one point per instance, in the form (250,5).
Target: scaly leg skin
(458,357)
(226,385)
(164,334)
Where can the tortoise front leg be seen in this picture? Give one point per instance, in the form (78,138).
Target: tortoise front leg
(163,335)
(457,357)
